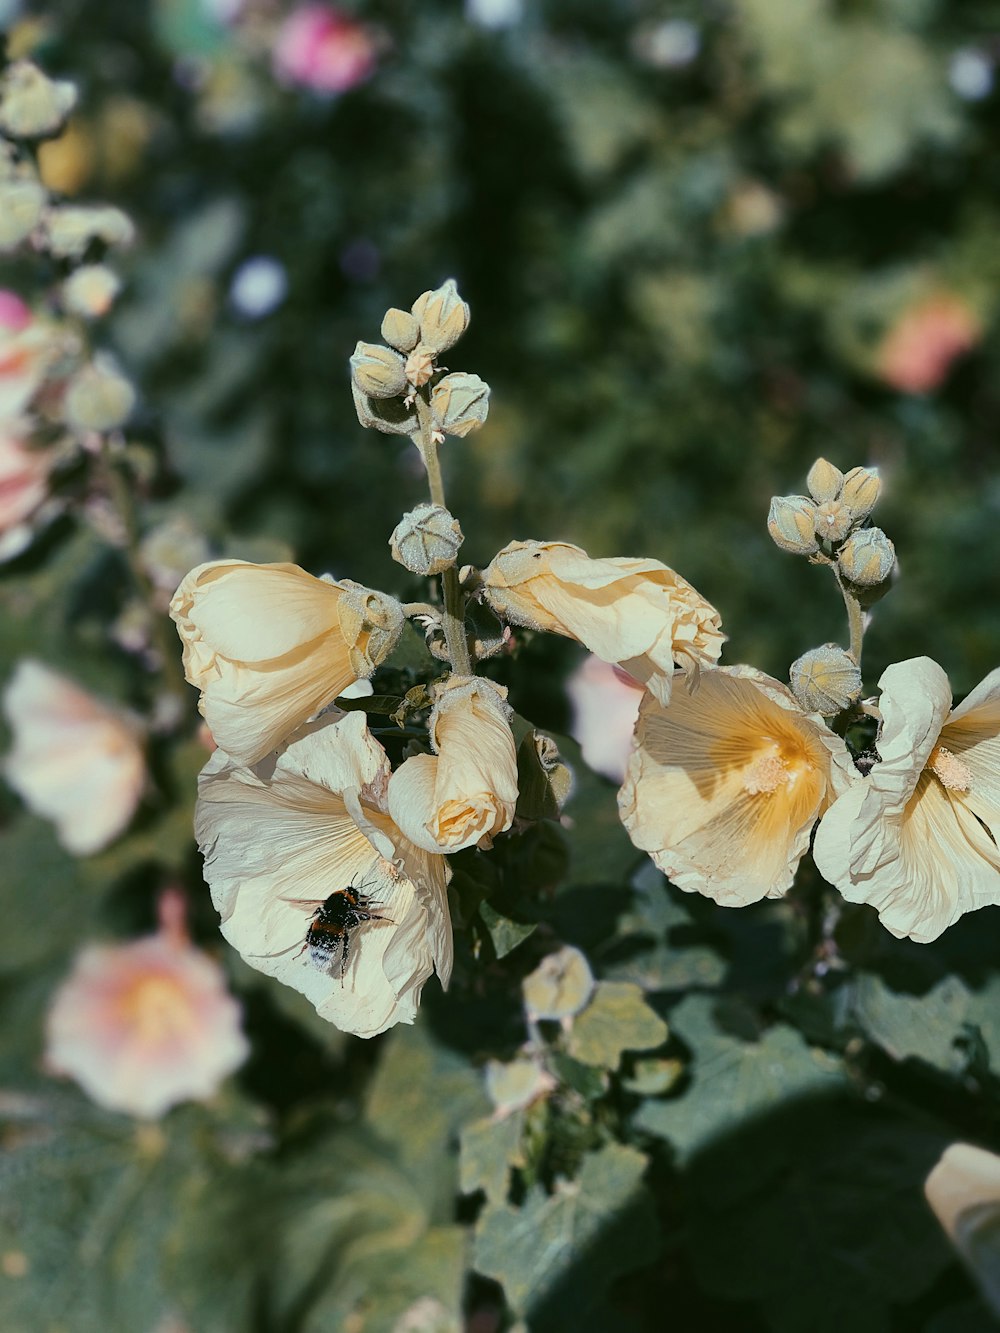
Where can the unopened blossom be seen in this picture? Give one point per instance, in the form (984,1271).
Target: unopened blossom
(282,839)
(918,351)
(75,760)
(270,645)
(725,783)
(917,839)
(145,1025)
(324,49)
(24,478)
(637,614)
(964,1192)
(464,793)
(605,707)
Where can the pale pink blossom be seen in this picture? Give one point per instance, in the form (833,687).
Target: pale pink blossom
(605,703)
(917,352)
(26,351)
(14,313)
(24,480)
(145,1025)
(324,49)
(76,760)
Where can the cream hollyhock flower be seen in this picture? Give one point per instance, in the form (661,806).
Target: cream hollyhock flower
(76,760)
(145,1025)
(284,838)
(464,793)
(636,614)
(964,1192)
(725,784)
(270,645)
(917,840)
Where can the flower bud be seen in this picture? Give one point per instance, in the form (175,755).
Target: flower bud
(400,330)
(371,623)
(867,557)
(72,229)
(99,397)
(420,365)
(389,415)
(824,481)
(860,493)
(826,680)
(33,106)
(833,521)
(378,371)
(90,291)
(443,316)
(791,522)
(460,403)
(560,986)
(426,540)
(21,204)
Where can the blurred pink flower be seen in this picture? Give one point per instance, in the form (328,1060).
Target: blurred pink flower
(144,1025)
(918,350)
(24,475)
(26,350)
(605,703)
(323,49)
(76,760)
(14,314)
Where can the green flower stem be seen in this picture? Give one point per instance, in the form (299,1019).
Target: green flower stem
(120,492)
(855,617)
(453,616)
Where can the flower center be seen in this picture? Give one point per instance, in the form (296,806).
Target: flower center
(157,1009)
(765,774)
(949,769)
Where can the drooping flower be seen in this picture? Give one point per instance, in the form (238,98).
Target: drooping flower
(145,1025)
(324,49)
(76,760)
(269,645)
(919,349)
(918,839)
(725,783)
(605,707)
(637,614)
(284,838)
(464,793)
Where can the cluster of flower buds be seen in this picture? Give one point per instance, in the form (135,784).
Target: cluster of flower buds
(387,381)
(832,523)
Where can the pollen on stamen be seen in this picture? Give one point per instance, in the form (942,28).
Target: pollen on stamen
(949,769)
(765,774)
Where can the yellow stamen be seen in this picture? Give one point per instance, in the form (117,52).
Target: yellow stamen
(765,774)
(949,769)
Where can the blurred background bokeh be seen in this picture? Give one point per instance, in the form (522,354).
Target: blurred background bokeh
(704,243)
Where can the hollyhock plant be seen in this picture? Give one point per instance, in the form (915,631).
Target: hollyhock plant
(269,645)
(726,782)
(287,839)
(636,614)
(918,839)
(144,1025)
(605,703)
(325,50)
(75,760)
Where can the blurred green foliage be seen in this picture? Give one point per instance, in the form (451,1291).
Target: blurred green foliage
(683,269)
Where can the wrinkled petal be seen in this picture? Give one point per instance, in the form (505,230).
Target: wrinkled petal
(972,733)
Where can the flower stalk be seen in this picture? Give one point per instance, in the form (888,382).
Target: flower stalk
(453,616)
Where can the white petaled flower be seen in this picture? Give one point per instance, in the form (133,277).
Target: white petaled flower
(284,838)
(145,1025)
(24,478)
(637,614)
(725,783)
(918,840)
(76,760)
(605,707)
(464,793)
(25,356)
(270,645)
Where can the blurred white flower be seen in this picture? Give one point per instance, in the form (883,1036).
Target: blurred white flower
(76,760)
(964,1192)
(494,14)
(283,840)
(145,1025)
(24,487)
(259,285)
(671,44)
(970,73)
(25,355)
(605,703)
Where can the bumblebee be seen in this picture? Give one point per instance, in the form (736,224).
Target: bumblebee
(330,927)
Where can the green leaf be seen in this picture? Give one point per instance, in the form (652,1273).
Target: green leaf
(927,1027)
(733,1080)
(616,1020)
(489,1148)
(505,934)
(49,905)
(561,1251)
